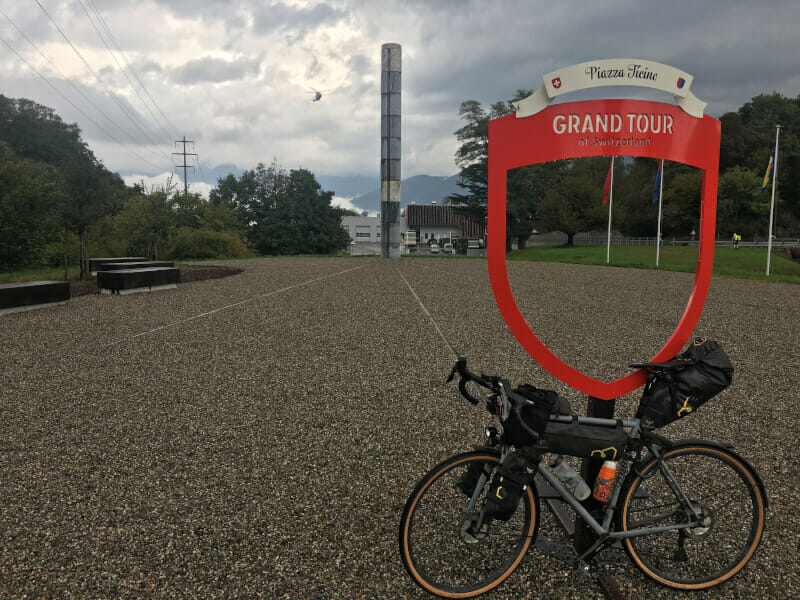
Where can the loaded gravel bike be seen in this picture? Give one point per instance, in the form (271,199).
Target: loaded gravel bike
(689,514)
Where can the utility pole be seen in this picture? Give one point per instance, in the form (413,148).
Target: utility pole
(184,141)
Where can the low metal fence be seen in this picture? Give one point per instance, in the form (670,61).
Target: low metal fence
(651,241)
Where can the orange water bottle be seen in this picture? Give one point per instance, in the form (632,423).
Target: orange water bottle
(605,481)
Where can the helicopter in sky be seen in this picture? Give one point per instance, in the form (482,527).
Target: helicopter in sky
(317,94)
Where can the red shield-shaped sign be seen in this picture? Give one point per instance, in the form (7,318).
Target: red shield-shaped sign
(556,82)
(601,128)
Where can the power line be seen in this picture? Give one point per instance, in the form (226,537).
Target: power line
(64,77)
(121,68)
(60,93)
(202,174)
(97,77)
(130,68)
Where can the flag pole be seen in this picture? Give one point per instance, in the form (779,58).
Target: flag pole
(610,203)
(660,195)
(772,204)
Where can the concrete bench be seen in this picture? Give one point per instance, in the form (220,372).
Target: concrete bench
(15,297)
(117,266)
(129,281)
(96,262)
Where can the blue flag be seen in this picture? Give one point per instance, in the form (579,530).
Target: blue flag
(657,185)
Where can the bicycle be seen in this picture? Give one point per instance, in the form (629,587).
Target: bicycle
(689,514)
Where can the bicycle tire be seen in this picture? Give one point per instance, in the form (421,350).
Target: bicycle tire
(732,503)
(433,551)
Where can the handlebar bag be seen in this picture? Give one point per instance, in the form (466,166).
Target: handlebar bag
(586,441)
(531,410)
(672,394)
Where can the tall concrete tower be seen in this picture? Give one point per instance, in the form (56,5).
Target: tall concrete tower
(391,67)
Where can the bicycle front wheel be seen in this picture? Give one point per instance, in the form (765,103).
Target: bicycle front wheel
(726,507)
(440,547)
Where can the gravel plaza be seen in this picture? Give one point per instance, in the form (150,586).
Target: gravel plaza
(257,436)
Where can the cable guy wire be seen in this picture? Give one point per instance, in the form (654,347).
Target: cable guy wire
(425,310)
(113,96)
(75,106)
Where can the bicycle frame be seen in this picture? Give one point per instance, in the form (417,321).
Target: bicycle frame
(603,530)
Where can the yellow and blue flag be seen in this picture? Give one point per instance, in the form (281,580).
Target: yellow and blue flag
(770,170)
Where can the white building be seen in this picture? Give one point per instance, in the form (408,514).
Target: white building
(362,229)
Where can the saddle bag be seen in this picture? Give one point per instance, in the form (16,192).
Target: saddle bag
(674,393)
(585,441)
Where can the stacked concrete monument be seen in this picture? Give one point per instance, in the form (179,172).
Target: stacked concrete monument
(391,63)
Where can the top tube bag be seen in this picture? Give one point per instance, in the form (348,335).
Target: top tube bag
(674,393)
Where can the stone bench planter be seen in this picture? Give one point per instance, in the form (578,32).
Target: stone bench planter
(118,266)
(96,262)
(15,297)
(129,281)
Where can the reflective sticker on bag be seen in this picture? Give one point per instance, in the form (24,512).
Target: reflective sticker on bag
(609,453)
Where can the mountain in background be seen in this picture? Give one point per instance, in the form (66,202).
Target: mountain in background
(347,187)
(420,189)
(212,176)
(364,191)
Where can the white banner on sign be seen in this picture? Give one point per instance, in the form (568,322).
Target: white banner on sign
(615,71)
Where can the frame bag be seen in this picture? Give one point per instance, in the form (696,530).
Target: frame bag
(674,393)
(586,441)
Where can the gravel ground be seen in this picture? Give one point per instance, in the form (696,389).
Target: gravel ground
(256,436)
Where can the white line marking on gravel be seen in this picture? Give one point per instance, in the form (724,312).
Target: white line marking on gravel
(216,310)
(447,343)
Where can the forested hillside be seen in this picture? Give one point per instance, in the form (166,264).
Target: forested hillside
(59,204)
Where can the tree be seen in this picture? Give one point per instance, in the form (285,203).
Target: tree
(283,213)
(297,218)
(30,193)
(741,208)
(89,190)
(681,202)
(472,157)
(575,204)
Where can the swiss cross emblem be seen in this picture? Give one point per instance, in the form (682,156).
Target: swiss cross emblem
(556,82)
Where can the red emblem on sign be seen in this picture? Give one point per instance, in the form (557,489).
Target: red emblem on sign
(691,141)
(556,82)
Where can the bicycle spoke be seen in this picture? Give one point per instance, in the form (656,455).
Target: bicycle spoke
(448,549)
(714,534)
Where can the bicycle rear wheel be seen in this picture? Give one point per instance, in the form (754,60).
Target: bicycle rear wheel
(730,520)
(436,552)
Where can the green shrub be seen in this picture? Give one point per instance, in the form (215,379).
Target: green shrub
(203,243)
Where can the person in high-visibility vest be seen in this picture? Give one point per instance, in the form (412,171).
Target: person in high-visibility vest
(736,238)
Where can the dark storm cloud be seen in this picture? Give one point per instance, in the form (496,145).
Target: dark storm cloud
(215,70)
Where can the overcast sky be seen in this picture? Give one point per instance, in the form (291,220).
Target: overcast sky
(233,75)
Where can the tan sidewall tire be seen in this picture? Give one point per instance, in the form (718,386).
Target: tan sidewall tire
(759,500)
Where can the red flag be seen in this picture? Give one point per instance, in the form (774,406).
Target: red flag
(607,184)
